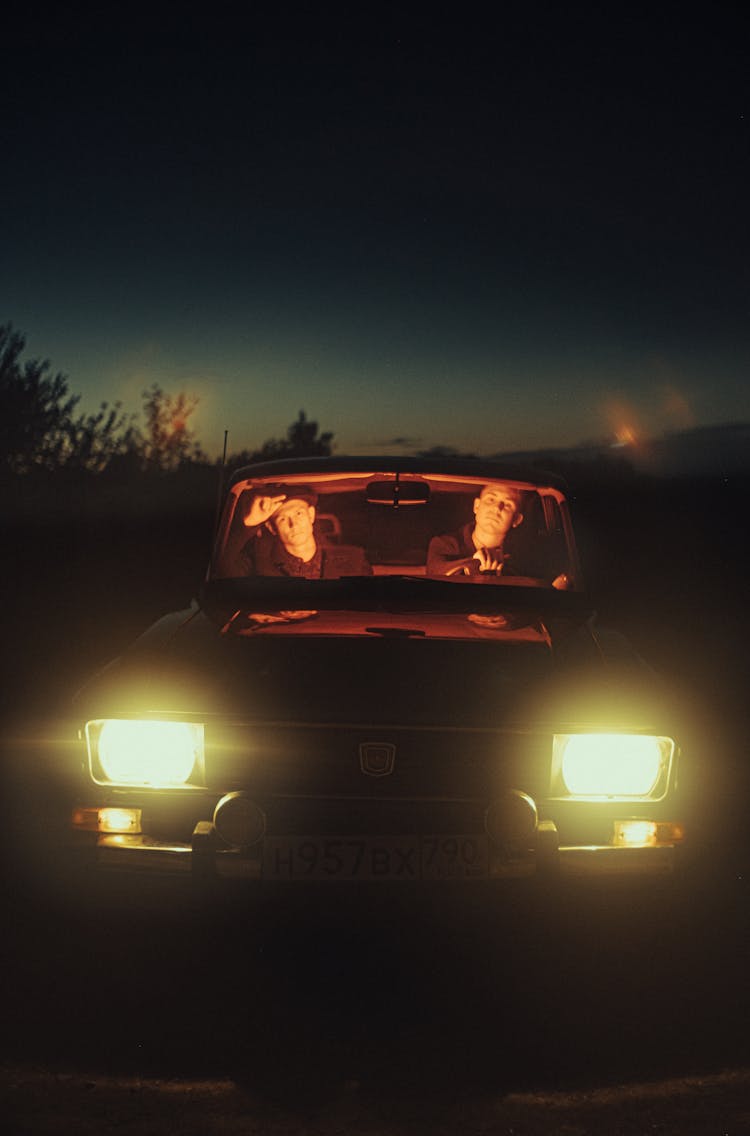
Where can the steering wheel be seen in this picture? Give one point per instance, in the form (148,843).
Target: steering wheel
(517,581)
(459,565)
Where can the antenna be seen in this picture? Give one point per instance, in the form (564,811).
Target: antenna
(220,486)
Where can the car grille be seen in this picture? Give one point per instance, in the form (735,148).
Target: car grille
(433,764)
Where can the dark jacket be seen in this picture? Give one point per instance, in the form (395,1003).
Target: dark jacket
(450,548)
(265,555)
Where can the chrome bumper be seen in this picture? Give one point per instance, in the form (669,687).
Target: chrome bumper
(204,861)
(595,861)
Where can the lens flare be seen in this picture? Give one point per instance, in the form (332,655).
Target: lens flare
(625,435)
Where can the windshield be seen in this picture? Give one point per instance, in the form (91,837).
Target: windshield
(378,523)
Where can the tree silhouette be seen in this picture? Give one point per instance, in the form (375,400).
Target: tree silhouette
(38,430)
(103,441)
(37,410)
(302,440)
(168,442)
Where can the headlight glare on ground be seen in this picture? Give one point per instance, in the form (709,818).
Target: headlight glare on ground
(145,752)
(610,766)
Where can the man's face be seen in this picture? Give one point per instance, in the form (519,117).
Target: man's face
(293,523)
(497,510)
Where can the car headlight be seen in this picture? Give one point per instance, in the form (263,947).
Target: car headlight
(611,766)
(128,751)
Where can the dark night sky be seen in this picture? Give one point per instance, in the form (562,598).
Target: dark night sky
(421,230)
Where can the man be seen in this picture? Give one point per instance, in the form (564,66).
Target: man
(481,548)
(283,541)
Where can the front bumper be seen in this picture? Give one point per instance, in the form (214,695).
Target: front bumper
(205,860)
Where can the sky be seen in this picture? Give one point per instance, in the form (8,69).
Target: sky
(490,232)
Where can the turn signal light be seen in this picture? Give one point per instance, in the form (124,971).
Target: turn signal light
(647,833)
(113,820)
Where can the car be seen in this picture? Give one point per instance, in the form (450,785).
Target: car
(367,689)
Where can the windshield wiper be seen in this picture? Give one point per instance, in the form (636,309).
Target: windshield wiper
(396,632)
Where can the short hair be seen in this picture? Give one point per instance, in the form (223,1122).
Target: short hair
(511,490)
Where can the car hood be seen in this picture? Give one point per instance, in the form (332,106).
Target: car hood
(455,670)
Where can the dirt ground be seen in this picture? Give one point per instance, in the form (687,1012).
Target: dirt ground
(42,1102)
(581,1017)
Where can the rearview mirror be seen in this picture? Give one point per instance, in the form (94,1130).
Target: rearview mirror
(397,493)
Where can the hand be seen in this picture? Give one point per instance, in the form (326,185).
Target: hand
(486,561)
(280,616)
(262,508)
(562,582)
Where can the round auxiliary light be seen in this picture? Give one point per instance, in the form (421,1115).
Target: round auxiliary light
(511,820)
(239,821)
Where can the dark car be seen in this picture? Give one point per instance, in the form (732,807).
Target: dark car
(393,673)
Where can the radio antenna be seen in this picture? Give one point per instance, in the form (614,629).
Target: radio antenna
(220,487)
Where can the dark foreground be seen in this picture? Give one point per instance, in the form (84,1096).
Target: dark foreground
(377,1012)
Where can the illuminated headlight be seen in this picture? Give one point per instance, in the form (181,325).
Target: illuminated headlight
(125,751)
(610,766)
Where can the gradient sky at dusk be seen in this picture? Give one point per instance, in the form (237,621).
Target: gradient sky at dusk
(423,231)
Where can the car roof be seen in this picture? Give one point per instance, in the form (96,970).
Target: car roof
(489,470)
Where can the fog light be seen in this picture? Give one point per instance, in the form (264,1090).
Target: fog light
(239,821)
(511,820)
(109,819)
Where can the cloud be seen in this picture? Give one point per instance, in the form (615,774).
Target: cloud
(399,443)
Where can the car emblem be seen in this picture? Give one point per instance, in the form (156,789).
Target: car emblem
(377,759)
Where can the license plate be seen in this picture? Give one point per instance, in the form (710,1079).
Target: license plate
(375,858)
